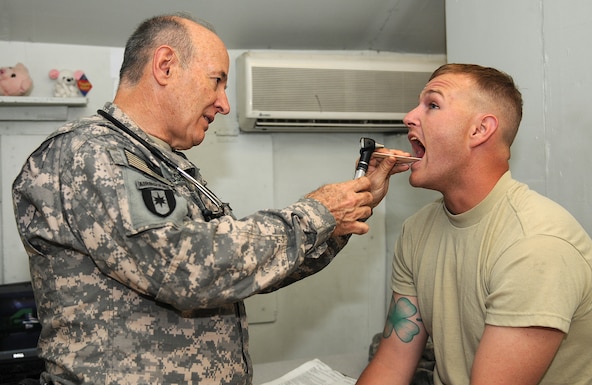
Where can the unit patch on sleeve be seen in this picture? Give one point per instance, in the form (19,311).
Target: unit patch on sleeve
(158,198)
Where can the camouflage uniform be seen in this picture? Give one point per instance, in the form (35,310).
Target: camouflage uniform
(133,285)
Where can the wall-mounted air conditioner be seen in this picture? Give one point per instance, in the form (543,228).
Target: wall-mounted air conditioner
(295,92)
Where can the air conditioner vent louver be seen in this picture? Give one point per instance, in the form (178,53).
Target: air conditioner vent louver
(298,92)
(304,89)
(320,125)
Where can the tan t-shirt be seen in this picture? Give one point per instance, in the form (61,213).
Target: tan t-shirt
(517,259)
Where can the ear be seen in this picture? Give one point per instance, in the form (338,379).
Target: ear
(484,128)
(53,74)
(164,63)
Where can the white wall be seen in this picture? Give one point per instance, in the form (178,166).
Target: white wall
(543,45)
(19,138)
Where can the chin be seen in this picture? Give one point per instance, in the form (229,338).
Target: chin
(415,181)
(199,137)
(199,140)
(413,184)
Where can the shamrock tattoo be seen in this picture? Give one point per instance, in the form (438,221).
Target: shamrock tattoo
(397,320)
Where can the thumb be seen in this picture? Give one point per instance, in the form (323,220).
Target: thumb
(360,184)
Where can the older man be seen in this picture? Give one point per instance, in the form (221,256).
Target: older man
(139,270)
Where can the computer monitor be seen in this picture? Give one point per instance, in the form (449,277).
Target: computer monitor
(19,332)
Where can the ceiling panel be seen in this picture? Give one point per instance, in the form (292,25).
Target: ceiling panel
(415,26)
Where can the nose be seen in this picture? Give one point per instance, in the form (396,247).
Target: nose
(410,118)
(222,104)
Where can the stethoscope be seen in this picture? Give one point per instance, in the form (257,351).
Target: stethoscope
(222,208)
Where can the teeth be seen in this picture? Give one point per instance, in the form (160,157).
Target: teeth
(415,139)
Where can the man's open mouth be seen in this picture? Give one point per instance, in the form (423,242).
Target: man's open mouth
(417,146)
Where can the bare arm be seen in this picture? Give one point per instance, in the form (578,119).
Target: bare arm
(516,356)
(402,344)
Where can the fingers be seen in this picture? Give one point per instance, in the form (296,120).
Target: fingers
(349,202)
(388,164)
(380,169)
(391,151)
(355,227)
(352,201)
(344,196)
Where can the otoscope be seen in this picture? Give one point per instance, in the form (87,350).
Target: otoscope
(367,147)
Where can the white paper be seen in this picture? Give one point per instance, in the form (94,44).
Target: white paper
(314,372)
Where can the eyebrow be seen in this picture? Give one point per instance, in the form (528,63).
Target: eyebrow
(430,92)
(223,75)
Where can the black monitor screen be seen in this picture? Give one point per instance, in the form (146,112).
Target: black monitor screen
(19,326)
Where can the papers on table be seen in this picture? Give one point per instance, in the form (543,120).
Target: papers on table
(314,372)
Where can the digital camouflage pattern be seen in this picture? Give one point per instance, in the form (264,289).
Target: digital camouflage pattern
(133,286)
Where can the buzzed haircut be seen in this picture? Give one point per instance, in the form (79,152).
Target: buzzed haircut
(151,33)
(498,86)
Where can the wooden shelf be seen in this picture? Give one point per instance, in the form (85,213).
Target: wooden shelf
(37,108)
(42,101)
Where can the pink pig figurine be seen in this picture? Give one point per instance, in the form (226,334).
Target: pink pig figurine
(15,81)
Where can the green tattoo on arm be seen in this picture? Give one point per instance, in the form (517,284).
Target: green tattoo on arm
(398,320)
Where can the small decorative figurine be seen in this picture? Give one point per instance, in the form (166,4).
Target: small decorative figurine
(69,83)
(15,81)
